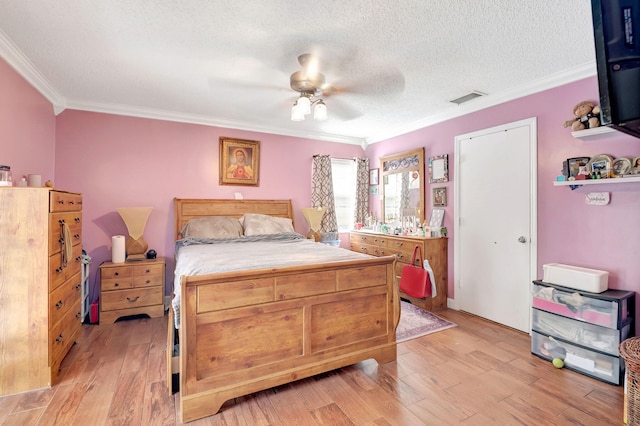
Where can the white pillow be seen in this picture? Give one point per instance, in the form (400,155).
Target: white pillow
(262,224)
(212,227)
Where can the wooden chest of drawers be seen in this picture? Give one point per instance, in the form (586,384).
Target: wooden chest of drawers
(40,310)
(433,249)
(131,289)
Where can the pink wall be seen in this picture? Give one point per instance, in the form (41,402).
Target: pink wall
(120,161)
(117,161)
(27,127)
(569,231)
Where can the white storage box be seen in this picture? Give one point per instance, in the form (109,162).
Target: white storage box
(590,280)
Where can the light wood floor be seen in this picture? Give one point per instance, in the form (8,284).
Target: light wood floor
(478,373)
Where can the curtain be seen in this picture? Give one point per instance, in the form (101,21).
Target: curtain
(322,192)
(362,190)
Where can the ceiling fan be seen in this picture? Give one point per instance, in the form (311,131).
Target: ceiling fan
(310,83)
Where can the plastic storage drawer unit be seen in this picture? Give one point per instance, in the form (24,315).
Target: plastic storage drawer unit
(608,368)
(608,309)
(589,335)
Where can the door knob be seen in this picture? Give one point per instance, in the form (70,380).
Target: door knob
(522,239)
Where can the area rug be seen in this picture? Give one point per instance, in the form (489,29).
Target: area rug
(415,322)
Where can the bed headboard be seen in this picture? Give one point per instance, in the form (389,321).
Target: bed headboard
(187,209)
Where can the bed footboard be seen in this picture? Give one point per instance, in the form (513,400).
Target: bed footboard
(247,331)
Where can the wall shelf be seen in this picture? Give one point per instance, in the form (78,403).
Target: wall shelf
(598,133)
(609,181)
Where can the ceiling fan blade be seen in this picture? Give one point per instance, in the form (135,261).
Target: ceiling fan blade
(342,110)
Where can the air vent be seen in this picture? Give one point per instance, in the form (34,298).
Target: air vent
(467,97)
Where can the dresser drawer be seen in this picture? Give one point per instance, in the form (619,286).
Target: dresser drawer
(134,298)
(64,201)
(64,298)
(365,248)
(63,333)
(592,336)
(403,255)
(58,274)
(117,272)
(365,239)
(148,270)
(116,284)
(73,221)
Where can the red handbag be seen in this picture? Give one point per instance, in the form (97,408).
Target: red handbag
(414,280)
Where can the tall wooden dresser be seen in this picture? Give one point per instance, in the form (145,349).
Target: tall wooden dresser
(40,284)
(433,249)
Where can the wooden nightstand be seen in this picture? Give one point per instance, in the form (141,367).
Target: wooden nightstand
(131,288)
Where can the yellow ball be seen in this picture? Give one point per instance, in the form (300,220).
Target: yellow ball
(558,363)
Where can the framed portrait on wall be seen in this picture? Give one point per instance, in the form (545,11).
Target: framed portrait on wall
(239,162)
(440,196)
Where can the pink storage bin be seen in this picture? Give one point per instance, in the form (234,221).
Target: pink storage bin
(594,317)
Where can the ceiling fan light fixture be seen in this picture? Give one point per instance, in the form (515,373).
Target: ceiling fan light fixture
(320,111)
(296,113)
(304,105)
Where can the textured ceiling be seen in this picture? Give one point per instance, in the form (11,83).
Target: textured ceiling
(395,64)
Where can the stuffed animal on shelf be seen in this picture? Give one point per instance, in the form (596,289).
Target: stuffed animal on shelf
(587,116)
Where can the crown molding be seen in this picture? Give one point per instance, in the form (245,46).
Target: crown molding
(23,66)
(157,114)
(568,76)
(17,60)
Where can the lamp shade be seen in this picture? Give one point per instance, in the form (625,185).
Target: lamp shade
(135,218)
(320,111)
(314,215)
(296,114)
(304,105)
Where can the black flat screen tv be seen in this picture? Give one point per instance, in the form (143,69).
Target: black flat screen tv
(616,27)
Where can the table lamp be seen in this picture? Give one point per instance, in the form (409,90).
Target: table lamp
(135,218)
(314,218)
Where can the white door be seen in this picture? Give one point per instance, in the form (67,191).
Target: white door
(495,222)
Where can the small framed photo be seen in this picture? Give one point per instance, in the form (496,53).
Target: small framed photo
(373,176)
(239,162)
(373,189)
(600,169)
(574,165)
(439,168)
(440,196)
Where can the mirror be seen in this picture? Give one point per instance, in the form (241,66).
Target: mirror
(402,186)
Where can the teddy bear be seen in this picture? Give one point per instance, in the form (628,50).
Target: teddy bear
(587,116)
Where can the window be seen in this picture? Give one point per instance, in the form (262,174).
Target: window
(343,173)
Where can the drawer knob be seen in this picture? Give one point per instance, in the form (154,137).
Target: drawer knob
(71,202)
(78,286)
(148,281)
(59,270)
(78,315)
(59,338)
(59,304)
(116,285)
(116,274)
(147,271)
(400,256)
(76,219)
(76,236)
(61,202)
(134,299)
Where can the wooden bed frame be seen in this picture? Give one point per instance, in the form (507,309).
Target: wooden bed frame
(242,332)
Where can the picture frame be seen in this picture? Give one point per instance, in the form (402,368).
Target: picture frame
(574,165)
(373,176)
(373,189)
(439,168)
(239,162)
(439,196)
(437,217)
(600,169)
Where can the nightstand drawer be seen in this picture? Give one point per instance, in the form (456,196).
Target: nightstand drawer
(148,281)
(116,284)
(114,272)
(146,270)
(124,299)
